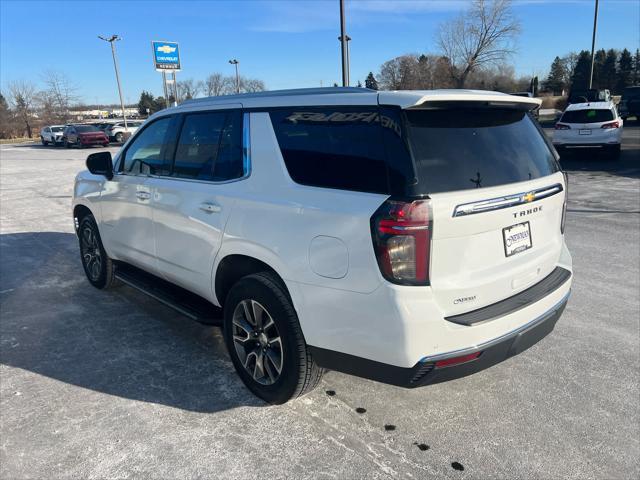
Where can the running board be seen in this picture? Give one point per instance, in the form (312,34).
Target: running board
(188,304)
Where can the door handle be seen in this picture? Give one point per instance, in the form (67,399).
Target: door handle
(210,207)
(143,195)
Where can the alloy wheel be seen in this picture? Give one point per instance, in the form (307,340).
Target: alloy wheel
(91,256)
(257,342)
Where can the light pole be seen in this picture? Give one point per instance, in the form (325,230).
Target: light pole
(593,43)
(236,62)
(344,38)
(115,38)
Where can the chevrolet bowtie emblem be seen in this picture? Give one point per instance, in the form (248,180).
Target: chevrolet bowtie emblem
(528,197)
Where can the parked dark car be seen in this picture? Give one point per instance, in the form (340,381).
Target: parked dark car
(630,103)
(536,111)
(83,136)
(587,96)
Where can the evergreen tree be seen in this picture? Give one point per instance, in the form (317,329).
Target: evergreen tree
(147,101)
(625,71)
(371,82)
(581,72)
(555,82)
(159,104)
(598,64)
(359,85)
(608,77)
(636,68)
(5,117)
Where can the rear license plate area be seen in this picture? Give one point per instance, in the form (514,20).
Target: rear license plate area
(517,238)
(585,131)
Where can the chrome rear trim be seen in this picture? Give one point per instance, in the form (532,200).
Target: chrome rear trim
(506,201)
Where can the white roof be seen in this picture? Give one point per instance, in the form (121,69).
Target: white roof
(589,106)
(347,96)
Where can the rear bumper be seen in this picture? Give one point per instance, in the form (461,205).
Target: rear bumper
(426,371)
(93,141)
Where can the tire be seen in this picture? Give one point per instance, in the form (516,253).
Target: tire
(99,269)
(44,142)
(78,143)
(256,342)
(119,137)
(66,143)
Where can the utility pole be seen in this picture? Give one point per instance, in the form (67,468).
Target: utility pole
(236,62)
(111,40)
(344,38)
(593,44)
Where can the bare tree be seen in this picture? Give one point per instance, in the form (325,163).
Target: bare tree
(569,63)
(479,37)
(399,73)
(188,89)
(23,97)
(217,84)
(409,72)
(59,93)
(250,85)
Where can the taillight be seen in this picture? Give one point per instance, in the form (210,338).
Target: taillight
(615,124)
(401,234)
(562,126)
(450,362)
(566,199)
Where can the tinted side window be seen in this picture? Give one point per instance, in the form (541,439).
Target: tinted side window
(146,154)
(333,147)
(210,147)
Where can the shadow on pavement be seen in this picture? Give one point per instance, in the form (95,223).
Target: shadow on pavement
(628,165)
(118,342)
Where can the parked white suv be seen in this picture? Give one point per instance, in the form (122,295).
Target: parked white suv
(118,133)
(52,135)
(407,237)
(595,125)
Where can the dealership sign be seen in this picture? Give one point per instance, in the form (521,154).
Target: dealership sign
(166,55)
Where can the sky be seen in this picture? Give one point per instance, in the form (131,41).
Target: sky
(285,43)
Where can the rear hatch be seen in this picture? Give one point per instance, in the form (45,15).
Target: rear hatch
(496,199)
(588,125)
(92,136)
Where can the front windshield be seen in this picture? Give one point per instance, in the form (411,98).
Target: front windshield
(57,129)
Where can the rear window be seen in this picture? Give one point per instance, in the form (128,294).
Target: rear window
(465,148)
(591,115)
(86,128)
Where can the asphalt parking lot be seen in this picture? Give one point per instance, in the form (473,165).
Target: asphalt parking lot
(112,384)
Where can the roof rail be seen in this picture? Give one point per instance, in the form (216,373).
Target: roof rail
(282,93)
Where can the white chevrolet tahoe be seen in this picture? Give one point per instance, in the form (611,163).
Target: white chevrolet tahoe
(406,237)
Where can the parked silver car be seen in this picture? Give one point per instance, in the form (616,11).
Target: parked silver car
(117,132)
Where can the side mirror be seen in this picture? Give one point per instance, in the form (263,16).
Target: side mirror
(100,164)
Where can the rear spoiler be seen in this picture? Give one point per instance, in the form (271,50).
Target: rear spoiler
(439,99)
